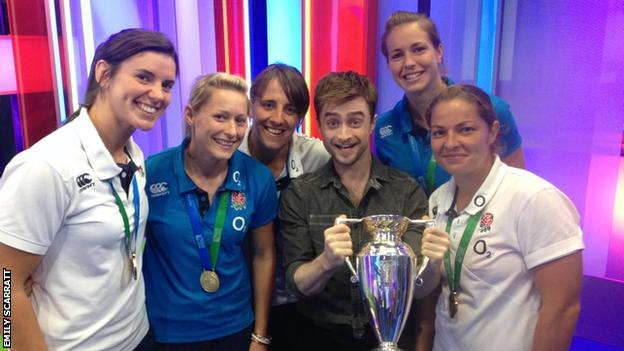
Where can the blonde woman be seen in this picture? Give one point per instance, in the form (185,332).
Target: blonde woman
(205,197)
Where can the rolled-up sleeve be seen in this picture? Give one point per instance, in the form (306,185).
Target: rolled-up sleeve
(415,207)
(294,229)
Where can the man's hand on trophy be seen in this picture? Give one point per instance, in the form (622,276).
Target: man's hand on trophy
(338,245)
(435,242)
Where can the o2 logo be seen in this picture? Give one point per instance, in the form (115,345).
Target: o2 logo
(480,248)
(238,223)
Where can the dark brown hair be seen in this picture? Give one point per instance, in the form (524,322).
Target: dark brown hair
(339,87)
(120,47)
(290,80)
(475,96)
(402,17)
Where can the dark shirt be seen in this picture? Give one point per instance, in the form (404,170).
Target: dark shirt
(388,191)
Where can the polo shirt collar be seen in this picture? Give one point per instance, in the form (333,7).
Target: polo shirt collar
(233,180)
(98,155)
(486,191)
(378,176)
(405,119)
(293,156)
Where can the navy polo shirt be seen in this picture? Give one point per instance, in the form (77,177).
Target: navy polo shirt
(179,310)
(400,144)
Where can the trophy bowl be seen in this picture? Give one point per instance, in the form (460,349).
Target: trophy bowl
(387,272)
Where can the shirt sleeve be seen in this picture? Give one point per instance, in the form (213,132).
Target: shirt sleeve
(548,228)
(294,229)
(265,209)
(415,208)
(33,201)
(510,136)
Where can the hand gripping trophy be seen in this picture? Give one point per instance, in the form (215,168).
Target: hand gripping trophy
(387,273)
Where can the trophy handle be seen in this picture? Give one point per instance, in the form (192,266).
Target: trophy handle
(428,223)
(354,277)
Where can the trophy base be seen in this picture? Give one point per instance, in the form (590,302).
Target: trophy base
(387,346)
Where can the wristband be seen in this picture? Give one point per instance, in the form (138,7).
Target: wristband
(261,339)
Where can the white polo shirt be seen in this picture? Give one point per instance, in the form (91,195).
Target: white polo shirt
(55,201)
(306,155)
(525,222)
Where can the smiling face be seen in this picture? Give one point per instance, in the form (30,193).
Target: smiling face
(218,127)
(275,118)
(413,59)
(461,140)
(139,90)
(346,128)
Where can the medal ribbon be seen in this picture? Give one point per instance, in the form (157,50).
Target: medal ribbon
(131,245)
(193,212)
(452,278)
(431,166)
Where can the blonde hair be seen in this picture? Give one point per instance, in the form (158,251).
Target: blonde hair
(205,86)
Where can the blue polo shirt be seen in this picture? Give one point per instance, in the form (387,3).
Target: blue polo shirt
(402,145)
(179,310)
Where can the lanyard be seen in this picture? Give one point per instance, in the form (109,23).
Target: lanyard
(131,245)
(452,278)
(193,213)
(431,166)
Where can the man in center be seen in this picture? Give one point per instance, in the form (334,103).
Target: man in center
(354,184)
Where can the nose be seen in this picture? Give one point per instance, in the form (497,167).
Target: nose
(344,132)
(156,93)
(230,128)
(410,59)
(451,141)
(278,117)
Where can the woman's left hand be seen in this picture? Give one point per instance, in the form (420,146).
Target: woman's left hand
(435,242)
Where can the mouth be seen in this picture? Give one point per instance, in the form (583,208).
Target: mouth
(412,76)
(224,142)
(454,157)
(345,146)
(274,131)
(147,108)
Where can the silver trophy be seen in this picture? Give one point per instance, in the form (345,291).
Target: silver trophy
(387,272)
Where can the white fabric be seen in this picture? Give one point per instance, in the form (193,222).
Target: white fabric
(306,154)
(533,223)
(55,201)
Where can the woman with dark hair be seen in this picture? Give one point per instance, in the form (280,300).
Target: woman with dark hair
(414,54)
(84,183)
(280,101)
(513,272)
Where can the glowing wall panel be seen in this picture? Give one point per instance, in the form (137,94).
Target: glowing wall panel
(340,36)
(8,85)
(33,69)
(563,82)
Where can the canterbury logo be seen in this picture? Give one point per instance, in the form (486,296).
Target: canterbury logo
(159,189)
(84,181)
(385,131)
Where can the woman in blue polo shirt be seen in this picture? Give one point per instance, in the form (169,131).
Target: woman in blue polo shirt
(413,50)
(205,197)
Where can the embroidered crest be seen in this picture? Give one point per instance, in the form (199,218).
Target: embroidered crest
(239,201)
(485,225)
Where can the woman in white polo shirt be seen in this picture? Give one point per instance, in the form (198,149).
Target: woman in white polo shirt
(280,101)
(73,208)
(513,272)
